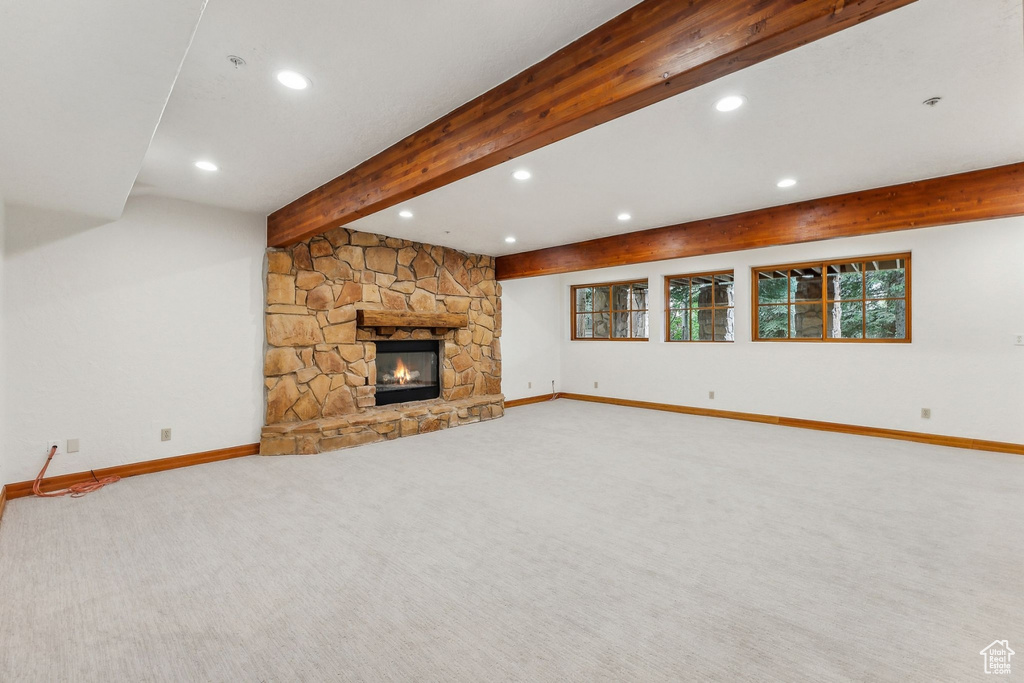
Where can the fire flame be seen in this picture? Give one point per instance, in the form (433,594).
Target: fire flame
(401,374)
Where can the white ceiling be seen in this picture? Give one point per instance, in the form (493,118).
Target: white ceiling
(90,81)
(380,71)
(82,88)
(841,114)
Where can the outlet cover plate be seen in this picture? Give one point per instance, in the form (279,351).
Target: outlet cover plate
(165,434)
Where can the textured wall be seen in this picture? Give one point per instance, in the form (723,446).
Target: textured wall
(117,330)
(3,357)
(961,363)
(319,364)
(533,309)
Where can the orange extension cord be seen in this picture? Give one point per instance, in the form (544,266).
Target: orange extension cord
(76,490)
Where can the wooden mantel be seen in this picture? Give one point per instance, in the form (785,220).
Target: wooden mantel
(650,52)
(371,318)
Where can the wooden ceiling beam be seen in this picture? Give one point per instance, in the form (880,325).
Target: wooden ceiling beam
(961,198)
(657,49)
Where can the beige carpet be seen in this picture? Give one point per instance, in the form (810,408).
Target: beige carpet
(565,542)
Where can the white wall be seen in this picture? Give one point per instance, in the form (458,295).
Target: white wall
(531,336)
(968,301)
(115,331)
(3,365)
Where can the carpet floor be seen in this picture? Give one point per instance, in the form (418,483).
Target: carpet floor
(565,542)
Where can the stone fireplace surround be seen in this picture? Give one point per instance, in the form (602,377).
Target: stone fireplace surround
(320,365)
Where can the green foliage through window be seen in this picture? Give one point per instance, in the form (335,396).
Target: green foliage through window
(834,300)
(700,307)
(616,310)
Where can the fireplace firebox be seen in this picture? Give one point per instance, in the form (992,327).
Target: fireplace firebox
(407,371)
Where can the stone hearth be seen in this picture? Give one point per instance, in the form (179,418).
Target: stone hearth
(376,424)
(320,365)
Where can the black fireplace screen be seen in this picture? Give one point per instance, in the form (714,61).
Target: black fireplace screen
(407,371)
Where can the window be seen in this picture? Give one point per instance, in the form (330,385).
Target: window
(864,300)
(614,310)
(700,307)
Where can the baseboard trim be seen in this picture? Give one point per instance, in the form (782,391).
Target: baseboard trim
(24,488)
(859,430)
(531,399)
(3,501)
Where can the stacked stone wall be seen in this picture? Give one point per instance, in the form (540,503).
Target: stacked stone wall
(321,365)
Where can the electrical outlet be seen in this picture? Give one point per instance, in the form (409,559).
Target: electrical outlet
(529,385)
(926,413)
(711,394)
(595,385)
(51,444)
(72,445)
(165,434)
(1018,339)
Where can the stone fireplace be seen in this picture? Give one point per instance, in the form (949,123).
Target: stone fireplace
(372,337)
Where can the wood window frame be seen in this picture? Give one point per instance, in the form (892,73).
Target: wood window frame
(713,308)
(612,310)
(824,264)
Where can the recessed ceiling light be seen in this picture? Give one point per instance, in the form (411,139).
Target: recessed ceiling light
(730,103)
(207,165)
(510,239)
(624,216)
(293,80)
(522,174)
(405,213)
(786,182)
